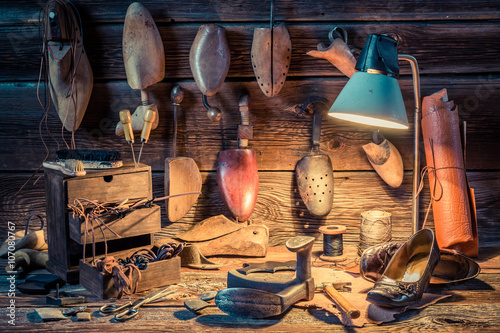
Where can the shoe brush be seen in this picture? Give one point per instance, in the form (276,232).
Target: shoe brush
(69,167)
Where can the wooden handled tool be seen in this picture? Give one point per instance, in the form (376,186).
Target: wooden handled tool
(339,299)
(126,121)
(149,118)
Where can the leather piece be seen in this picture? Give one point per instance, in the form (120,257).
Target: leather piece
(210,58)
(452,266)
(443,151)
(408,273)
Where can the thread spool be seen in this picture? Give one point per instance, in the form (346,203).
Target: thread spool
(333,246)
(376,228)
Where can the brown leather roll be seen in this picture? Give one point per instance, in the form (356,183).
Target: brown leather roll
(447,175)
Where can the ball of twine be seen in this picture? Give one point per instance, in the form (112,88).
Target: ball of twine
(376,228)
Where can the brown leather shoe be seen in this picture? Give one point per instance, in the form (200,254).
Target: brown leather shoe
(452,267)
(408,273)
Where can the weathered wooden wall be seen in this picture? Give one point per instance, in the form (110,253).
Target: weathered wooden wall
(456,44)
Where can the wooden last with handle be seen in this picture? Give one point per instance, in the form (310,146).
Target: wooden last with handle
(342,301)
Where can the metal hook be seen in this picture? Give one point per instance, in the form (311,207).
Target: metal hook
(337,32)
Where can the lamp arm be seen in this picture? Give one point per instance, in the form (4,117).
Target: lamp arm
(416,139)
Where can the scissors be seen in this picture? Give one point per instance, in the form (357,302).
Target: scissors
(130,309)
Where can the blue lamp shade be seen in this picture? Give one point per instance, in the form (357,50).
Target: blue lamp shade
(372,96)
(371,99)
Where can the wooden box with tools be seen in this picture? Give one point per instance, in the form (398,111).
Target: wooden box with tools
(65,233)
(157,274)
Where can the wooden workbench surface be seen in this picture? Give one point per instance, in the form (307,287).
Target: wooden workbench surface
(473,305)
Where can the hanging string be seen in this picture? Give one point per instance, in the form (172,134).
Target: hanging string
(431,169)
(69,8)
(375,229)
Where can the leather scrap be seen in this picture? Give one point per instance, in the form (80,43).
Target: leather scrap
(370,314)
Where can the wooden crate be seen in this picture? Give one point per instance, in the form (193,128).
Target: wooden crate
(107,185)
(157,274)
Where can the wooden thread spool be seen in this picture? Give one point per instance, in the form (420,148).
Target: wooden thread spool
(332,243)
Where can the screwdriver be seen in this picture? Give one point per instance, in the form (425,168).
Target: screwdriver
(149,118)
(126,121)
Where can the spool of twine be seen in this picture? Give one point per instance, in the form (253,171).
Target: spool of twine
(333,246)
(376,228)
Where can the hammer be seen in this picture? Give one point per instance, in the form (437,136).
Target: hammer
(331,290)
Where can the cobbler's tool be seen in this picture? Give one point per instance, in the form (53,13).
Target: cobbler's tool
(200,303)
(209,59)
(268,267)
(149,118)
(243,277)
(144,59)
(271,54)
(74,310)
(126,121)
(130,309)
(63,298)
(92,159)
(70,78)
(333,246)
(257,303)
(331,290)
(70,167)
(181,173)
(195,305)
(338,53)
(191,257)
(314,173)
(385,159)
(39,284)
(237,175)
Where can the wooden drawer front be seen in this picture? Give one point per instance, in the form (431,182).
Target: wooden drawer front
(158,274)
(139,222)
(110,187)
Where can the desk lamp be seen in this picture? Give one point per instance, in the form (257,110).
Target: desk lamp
(372,96)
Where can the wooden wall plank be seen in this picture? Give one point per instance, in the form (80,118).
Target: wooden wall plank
(281,136)
(280,208)
(26,11)
(470,47)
